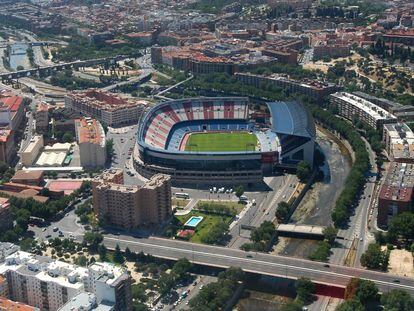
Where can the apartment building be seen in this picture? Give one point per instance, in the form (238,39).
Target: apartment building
(90,136)
(311,88)
(396,193)
(7,148)
(399,142)
(11,108)
(32,150)
(6,217)
(42,117)
(110,109)
(130,207)
(49,284)
(354,107)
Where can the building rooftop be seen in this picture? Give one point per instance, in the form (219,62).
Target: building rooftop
(401,140)
(291,118)
(13,102)
(399,182)
(105,100)
(373,110)
(24,174)
(33,143)
(4,135)
(86,301)
(89,130)
(9,305)
(156,181)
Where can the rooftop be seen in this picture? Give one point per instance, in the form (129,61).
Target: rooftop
(105,100)
(291,118)
(373,110)
(399,182)
(4,135)
(89,130)
(24,174)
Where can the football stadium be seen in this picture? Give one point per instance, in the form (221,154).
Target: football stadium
(221,141)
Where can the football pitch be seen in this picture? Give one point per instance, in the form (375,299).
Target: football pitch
(237,141)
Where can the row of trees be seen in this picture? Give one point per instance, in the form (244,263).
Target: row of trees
(216,208)
(355,180)
(6,172)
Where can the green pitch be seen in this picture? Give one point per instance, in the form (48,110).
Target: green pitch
(237,141)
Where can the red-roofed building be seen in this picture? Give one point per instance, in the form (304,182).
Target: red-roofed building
(185,234)
(7,149)
(396,193)
(15,105)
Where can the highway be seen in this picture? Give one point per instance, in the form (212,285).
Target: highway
(260,263)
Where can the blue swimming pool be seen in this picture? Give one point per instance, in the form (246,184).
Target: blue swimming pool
(193,221)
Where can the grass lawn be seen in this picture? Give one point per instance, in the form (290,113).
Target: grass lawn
(180,203)
(204,227)
(236,141)
(232,205)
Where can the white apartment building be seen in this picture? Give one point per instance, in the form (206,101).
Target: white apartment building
(49,284)
(353,107)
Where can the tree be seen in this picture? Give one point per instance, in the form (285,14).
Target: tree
(401,227)
(67,137)
(118,257)
(217,233)
(374,258)
(109,148)
(239,191)
(181,268)
(397,300)
(102,252)
(26,244)
(329,234)
(305,290)
(292,306)
(93,239)
(81,261)
(303,171)
(367,292)
(282,212)
(165,283)
(128,253)
(350,305)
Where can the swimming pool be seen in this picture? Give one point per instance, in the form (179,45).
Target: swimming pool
(193,221)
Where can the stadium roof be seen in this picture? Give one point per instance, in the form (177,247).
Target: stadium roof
(291,118)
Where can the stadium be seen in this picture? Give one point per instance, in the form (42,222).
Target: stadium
(220,141)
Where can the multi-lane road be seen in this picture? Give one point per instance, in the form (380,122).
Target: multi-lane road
(264,264)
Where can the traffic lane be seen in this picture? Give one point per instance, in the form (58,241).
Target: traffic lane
(267,264)
(194,290)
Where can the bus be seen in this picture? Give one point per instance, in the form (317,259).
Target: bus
(182,195)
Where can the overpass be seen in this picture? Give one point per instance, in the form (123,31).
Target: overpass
(47,70)
(4,44)
(259,263)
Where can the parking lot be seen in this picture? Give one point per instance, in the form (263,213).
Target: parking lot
(181,295)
